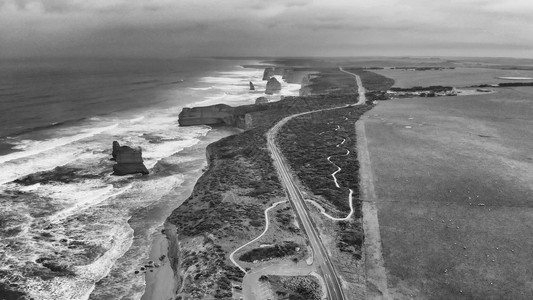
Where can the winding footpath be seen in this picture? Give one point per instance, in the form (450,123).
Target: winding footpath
(362,99)
(350,196)
(257,238)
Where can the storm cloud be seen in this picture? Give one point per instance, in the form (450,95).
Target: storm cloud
(168,28)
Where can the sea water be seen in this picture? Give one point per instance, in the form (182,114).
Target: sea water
(68,228)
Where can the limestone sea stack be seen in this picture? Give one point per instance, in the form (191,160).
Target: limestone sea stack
(219,114)
(273,86)
(129,160)
(252,87)
(267,73)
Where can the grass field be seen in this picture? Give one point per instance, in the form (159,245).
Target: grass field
(454,185)
(459,77)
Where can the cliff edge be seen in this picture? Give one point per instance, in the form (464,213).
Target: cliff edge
(219,114)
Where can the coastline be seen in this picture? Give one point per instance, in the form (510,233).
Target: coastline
(162,283)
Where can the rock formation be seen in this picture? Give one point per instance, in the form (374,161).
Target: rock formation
(305,86)
(273,86)
(129,160)
(219,114)
(267,73)
(252,88)
(271,71)
(261,100)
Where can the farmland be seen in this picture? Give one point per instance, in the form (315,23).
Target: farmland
(458,77)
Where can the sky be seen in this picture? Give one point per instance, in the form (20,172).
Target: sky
(178,28)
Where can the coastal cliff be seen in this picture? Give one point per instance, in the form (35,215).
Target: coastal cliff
(226,207)
(219,114)
(272,71)
(225,115)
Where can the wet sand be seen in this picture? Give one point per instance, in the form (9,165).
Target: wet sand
(160,284)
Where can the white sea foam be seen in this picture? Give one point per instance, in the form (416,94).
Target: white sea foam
(94,211)
(233,88)
(114,234)
(80,200)
(153,154)
(138,119)
(31,147)
(173,139)
(201,88)
(17,168)
(81,286)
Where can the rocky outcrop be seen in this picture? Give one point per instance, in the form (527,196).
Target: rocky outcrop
(305,86)
(267,73)
(219,114)
(252,87)
(129,160)
(261,100)
(271,71)
(273,86)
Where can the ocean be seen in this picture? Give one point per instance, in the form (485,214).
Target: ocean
(68,228)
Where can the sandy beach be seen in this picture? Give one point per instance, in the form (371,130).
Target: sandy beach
(160,281)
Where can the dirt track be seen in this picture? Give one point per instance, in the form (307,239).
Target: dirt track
(454,183)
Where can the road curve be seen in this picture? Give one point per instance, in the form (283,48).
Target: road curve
(333,285)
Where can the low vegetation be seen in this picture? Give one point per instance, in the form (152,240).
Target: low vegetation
(287,248)
(226,207)
(286,219)
(433,88)
(373,81)
(306,141)
(506,84)
(294,287)
(331,81)
(351,238)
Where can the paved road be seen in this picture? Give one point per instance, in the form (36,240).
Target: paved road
(321,257)
(453,178)
(325,266)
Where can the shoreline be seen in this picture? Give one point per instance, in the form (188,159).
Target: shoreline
(162,283)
